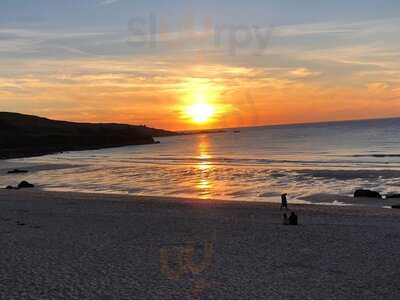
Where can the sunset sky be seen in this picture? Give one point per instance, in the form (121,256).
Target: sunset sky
(239,63)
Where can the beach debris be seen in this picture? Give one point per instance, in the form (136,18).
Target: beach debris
(25,184)
(392,196)
(367,194)
(17,171)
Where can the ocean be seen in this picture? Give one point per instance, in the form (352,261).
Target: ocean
(250,164)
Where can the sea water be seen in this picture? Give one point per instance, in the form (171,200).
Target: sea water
(251,164)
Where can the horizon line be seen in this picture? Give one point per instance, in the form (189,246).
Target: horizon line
(219,128)
(293,124)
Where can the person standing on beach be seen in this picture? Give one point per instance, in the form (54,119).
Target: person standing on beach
(284,203)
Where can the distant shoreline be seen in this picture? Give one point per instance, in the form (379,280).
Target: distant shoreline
(23,153)
(27,136)
(280,125)
(28,153)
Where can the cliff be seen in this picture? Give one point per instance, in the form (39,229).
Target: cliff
(25,135)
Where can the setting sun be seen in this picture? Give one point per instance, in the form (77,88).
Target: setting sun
(200,102)
(200,112)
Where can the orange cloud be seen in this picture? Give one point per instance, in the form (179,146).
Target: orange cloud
(156,93)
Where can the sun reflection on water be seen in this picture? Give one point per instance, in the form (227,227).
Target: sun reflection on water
(204,185)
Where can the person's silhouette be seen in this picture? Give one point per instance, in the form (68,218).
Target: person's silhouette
(284,203)
(285,219)
(293,220)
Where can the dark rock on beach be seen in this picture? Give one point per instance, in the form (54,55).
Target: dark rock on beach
(367,194)
(25,184)
(9,187)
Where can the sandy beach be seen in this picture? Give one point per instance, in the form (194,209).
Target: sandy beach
(91,246)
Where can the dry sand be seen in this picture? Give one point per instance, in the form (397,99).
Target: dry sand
(85,246)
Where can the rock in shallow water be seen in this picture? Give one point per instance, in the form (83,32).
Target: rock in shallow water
(17,171)
(25,184)
(367,194)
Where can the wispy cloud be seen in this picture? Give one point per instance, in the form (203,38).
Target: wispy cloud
(109,2)
(339,28)
(304,72)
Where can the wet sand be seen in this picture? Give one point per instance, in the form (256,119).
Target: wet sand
(92,246)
